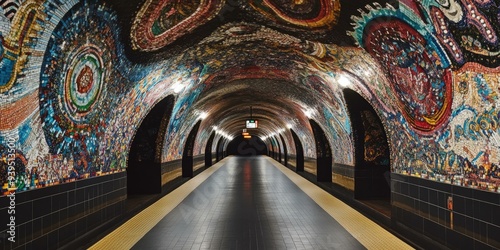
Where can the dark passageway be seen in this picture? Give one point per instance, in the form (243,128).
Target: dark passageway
(247,147)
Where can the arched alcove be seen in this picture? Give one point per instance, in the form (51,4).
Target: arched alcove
(299,157)
(276,151)
(208,150)
(278,158)
(144,160)
(372,168)
(271,148)
(285,151)
(323,154)
(219,152)
(187,155)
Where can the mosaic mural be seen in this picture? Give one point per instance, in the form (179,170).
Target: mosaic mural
(439,57)
(61,130)
(13,41)
(310,14)
(71,100)
(375,145)
(159,23)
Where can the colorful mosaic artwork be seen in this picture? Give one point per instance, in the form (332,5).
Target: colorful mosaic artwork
(436,55)
(72,100)
(375,143)
(159,23)
(73,88)
(12,42)
(309,14)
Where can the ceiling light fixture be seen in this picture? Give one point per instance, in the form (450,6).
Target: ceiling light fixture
(344,82)
(203,115)
(177,87)
(309,113)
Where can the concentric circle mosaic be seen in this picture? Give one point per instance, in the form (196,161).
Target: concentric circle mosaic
(84,82)
(75,81)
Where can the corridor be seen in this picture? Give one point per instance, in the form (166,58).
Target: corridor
(249,203)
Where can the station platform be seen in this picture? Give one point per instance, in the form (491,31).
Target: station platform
(249,203)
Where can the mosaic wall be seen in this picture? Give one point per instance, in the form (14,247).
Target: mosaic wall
(309,14)
(375,145)
(159,23)
(306,67)
(71,100)
(63,114)
(74,106)
(441,60)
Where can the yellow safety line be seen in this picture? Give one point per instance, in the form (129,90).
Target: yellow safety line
(367,232)
(128,234)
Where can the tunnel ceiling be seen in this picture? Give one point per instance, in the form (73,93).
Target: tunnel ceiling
(274,103)
(79,77)
(163,26)
(257,71)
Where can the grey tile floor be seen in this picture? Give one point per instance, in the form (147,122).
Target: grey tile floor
(248,204)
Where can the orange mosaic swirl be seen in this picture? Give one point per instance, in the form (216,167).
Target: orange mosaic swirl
(159,23)
(316,14)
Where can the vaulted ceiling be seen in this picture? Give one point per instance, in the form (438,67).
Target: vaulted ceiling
(258,71)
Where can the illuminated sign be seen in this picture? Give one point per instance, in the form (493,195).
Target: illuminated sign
(252,124)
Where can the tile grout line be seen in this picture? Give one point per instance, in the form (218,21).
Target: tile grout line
(130,232)
(367,232)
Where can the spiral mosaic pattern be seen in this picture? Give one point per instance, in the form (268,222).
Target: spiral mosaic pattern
(83,83)
(75,81)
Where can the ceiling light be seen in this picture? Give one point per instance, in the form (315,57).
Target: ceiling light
(203,115)
(309,113)
(344,82)
(177,87)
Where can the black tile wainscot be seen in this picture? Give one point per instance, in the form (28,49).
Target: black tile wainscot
(458,217)
(53,216)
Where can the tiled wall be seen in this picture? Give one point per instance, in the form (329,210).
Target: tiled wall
(51,217)
(422,205)
(343,175)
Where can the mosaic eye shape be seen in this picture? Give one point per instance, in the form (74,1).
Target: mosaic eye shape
(316,14)
(159,23)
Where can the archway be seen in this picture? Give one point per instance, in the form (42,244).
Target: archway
(271,148)
(144,160)
(208,150)
(276,148)
(219,154)
(187,155)
(299,157)
(323,154)
(285,151)
(372,169)
(279,149)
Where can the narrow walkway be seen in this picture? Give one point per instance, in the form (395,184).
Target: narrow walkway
(249,203)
